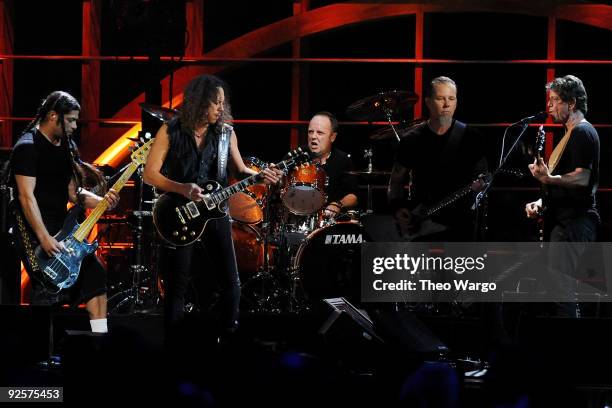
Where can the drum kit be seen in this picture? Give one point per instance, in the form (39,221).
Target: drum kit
(289,254)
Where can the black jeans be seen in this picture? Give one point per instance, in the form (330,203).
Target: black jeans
(569,238)
(179,263)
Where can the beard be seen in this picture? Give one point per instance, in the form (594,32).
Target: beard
(446,121)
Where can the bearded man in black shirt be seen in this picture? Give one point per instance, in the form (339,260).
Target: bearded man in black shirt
(47,174)
(437,157)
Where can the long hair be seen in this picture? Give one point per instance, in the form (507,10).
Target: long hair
(198,95)
(62,103)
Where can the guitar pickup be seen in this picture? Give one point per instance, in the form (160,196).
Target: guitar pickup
(180,216)
(192,209)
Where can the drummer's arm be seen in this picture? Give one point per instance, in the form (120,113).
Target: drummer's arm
(349,201)
(346,202)
(239,169)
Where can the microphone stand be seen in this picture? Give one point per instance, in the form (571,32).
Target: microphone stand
(502,160)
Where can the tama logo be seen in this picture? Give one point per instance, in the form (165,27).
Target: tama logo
(343,239)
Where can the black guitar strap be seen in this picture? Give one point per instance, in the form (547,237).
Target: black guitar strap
(453,142)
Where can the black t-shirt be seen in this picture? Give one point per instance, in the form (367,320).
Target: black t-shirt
(582,150)
(436,173)
(340,183)
(184,159)
(35,156)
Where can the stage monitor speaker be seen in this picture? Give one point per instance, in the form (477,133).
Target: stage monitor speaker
(354,328)
(346,321)
(348,333)
(403,330)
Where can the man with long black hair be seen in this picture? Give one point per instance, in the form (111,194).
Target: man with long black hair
(47,173)
(199,145)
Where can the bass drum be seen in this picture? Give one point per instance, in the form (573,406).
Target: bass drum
(249,247)
(248,206)
(329,261)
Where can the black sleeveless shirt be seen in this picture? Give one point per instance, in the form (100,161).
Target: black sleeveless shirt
(184,160)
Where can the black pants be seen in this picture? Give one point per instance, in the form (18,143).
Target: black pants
(569,240)
(182,262)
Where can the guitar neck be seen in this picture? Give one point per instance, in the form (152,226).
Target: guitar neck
(83,231)
(446,201)
(227,192)
(224,194)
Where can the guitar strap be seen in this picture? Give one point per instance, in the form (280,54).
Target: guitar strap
(223,152)
(222,155)
(453,142)
(25,241)
(555,156)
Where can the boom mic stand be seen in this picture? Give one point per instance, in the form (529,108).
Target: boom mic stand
(481,196)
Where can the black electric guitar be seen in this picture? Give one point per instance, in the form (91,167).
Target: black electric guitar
(61,271)
(181,221)
(422,224)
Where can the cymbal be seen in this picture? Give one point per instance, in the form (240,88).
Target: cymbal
(159,112)
(365,173)
(402,128)
(377,106)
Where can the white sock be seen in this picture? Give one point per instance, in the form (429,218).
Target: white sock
(98,326)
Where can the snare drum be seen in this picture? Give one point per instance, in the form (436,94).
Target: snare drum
(329,261)
(304,191)
(248,206)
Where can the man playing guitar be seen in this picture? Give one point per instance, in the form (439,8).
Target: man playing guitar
(48,174)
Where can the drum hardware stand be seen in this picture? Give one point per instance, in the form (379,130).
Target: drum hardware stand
(264,296)
(389,115)
(142,287)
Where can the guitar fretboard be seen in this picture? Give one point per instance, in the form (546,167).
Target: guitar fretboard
(227,192)
(224,194)
(83,231)
(447,200)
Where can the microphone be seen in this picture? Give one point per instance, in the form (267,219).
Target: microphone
(538,117)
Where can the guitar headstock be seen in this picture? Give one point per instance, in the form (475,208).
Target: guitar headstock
(540,140)
(297,157)
(139,156)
